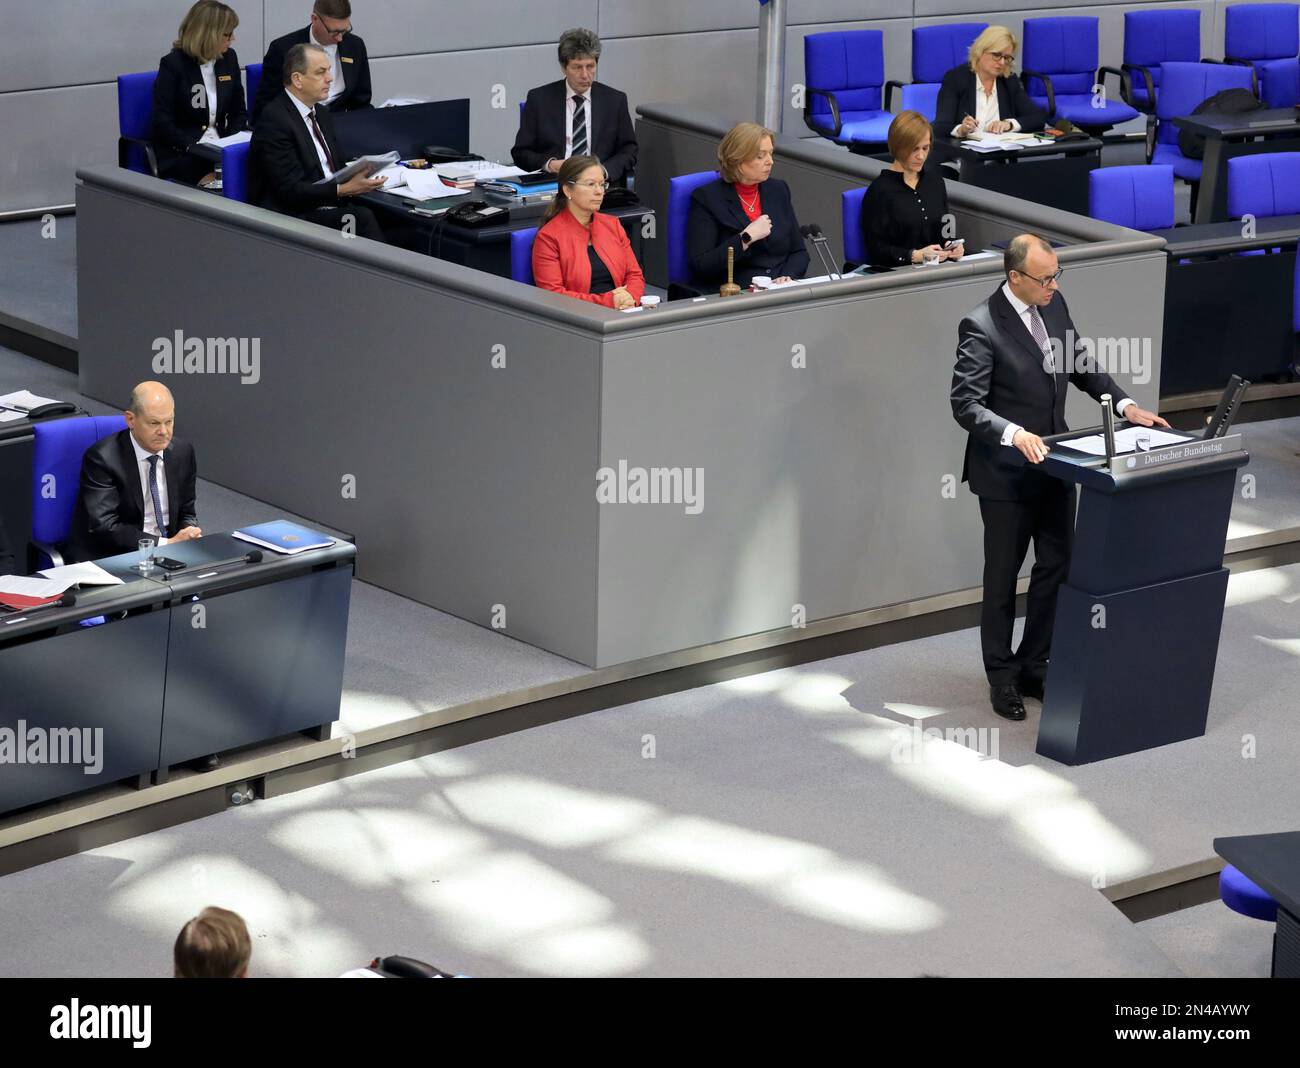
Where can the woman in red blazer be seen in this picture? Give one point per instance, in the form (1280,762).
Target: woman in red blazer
(578,251)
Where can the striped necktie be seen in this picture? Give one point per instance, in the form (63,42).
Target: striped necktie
(579,139)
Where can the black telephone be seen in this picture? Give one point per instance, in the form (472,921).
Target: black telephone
(44,411)
(443,154)
(477,213)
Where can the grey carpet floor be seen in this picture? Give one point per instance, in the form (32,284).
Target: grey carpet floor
(38,273)
(784,823)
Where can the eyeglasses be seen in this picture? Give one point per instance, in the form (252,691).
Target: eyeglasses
(1003,57)
(341,32)
(602,186)
(1045,282)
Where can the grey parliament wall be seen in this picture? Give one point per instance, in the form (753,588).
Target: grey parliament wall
(59,59)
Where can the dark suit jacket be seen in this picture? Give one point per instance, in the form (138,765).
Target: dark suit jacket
(178,121)
(282,160)
(715,222)
(352,58)
(957,100)
(7,562)
(544,121)
(109,515)
(999,379)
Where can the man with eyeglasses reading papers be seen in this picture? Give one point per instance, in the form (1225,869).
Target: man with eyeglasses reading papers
(983,95)
(330,29)
(1008,392)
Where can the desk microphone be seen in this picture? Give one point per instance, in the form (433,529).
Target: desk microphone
(813,231)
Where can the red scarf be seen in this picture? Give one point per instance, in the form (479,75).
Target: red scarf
(749,195)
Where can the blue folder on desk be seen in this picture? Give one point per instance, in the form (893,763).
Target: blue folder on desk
(281,536)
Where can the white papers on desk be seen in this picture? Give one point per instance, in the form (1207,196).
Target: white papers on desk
(84,574)
(41,588)
(417,183)
(992,145)
(365,163)
(800,282)
(483,170)
(1125,440)
(971,257)
(22,398)
(403,101)
(233,139)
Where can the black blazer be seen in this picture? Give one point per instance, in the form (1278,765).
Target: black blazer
(178,121)
(957,100)
(543,123)
(714,225)
(999,379)
(109,515)
(6,554)
(352,58)
(282,160)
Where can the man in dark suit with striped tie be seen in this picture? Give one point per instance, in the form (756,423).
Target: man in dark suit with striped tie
(1008,392)
(294,147)
(138,482)
(576,116)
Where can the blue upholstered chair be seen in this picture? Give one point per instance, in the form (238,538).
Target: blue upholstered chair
(1140,197)
(1152,39)
(1267,38)
(56,454)
(1264,185)
(521,255)
(1060,69)
(855,251)
(1244,896)
(844,73)
(935,51)
(134,119)
(252,79)
(1183,87)
(234,172)
(680,280)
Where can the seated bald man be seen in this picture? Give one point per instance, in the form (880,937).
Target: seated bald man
(137,482)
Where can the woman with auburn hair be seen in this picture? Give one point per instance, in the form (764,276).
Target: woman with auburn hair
(199,94)
(580,252)
(983,95)
(906,208)
(748,211)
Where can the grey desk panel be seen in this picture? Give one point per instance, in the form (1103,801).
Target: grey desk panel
(474,485)
(822,486)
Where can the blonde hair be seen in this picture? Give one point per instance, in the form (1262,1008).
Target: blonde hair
(993,39)
(213,945)
(908,130)
(740,145)
(202,29)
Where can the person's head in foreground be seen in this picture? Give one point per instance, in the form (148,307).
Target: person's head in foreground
(213,945)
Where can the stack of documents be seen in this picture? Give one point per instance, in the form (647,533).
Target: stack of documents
(369,164)
(416,183)
(16,405)
(481,170)
(281,536)
(46,587)
(1125,440)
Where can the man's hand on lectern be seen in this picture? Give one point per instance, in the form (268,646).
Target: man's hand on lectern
(1031,445)
(1142,417)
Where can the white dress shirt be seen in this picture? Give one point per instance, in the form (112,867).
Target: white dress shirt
(336,66)
(142,461)
(1022,310)
(986,108)
(304,111)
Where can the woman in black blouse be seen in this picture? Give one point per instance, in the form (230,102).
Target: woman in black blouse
(905,212)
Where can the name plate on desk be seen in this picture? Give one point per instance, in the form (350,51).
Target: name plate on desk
(1172,454)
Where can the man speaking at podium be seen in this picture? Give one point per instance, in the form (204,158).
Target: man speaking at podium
(1008,392)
